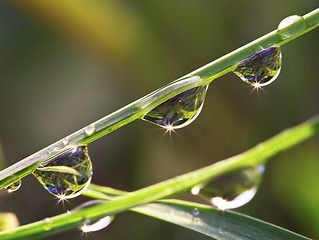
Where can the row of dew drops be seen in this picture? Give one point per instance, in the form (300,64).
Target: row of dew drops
(70,173)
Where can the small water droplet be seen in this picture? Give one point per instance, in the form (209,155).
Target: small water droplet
(97,225)
(261,68)
(232,190)
(14,186)
(89,130)
(67,175)
(291,25)
(195,212)
(65,141)
(180,110)
(47,224)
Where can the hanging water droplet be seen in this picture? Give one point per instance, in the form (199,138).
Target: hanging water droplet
(291,25)
(180,110)
(67,175)
(97,225)
(14,186)
(261,68)
(231,190)
(89,130)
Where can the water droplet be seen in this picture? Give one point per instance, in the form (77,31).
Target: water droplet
(291,25)
(231,190)
(180,110)
(195,212)
(97,225)
(89,130)
(65,141)
(67,175)
(47,224)
(261,68)
(14,186)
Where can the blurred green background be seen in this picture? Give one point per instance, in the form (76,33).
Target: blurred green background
(65,64)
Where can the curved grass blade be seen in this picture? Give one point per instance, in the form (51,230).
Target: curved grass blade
(221,225)
(204,219)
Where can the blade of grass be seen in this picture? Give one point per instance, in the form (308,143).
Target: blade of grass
(139,108)
(202,218)
(183,183)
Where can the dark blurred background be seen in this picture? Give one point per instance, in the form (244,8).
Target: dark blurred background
(65,64)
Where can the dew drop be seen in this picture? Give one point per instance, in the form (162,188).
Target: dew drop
(195,212)
(96,225)
(65,141)
(261,68)
(67,175)
(99,225)
(178,111)
(89,130)
(291,25)
(47,224)
(231,190)
(14,186)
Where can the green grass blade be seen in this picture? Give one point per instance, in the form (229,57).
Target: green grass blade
(203,218)
(221,225)
(183,183)
(139,108)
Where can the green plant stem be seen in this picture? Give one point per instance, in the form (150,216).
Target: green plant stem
(136,110)
(255,156)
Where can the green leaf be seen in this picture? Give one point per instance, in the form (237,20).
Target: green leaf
(222,225)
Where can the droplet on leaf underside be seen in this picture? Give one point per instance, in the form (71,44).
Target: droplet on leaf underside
(68,174)
(231,190)
(261,68)
(14,186)
(180,110)
(94,226)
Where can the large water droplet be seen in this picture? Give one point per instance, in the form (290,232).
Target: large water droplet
(291,25)
(14,186)
(97,225)
(68,175)
(261,68)
(180,110)
(231,190)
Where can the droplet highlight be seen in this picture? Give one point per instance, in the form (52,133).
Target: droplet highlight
(261,68)
(231,190)
(67,175)
(291,26)
(14,186)
(178,111)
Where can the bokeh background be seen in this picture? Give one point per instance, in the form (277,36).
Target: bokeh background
(65,64)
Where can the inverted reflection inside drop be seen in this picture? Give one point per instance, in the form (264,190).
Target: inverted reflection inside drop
(67,175)
(231,190)
(180,110)
(262,68)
